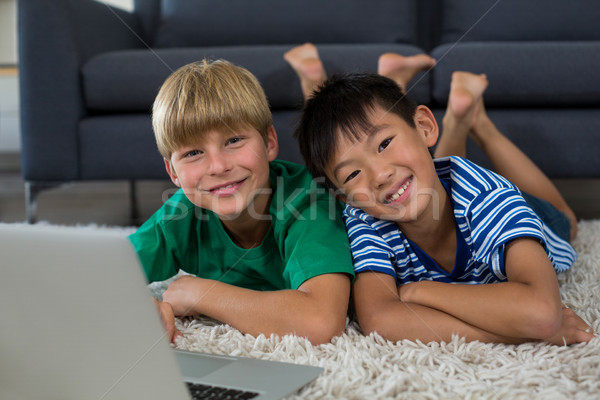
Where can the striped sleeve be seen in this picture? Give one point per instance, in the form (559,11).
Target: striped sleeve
(495,211)
(370,252)
(497,217)
(561,253)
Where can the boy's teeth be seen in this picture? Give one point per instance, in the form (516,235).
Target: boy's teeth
(399,192)
(222,188)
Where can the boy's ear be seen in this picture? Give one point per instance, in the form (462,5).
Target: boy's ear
(341,197)
(427,125)
(339,194)
(272,144)
(171,172)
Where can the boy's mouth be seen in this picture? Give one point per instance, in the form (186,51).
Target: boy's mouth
(227,188)
(395,195)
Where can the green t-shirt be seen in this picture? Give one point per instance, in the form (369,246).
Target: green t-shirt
(307,238)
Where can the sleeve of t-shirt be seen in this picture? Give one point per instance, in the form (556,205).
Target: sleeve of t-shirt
(166,242)
(370,252)
(157,253)
(496,217)
(316,243)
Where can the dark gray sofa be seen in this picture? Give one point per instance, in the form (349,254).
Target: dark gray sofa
(89,72)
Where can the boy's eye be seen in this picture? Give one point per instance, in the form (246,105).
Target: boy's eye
(192,153)
(234,140)
(352,176)
(384,144)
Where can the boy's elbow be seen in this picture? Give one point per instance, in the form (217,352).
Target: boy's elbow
(544,320)
(376,323)
(321,329)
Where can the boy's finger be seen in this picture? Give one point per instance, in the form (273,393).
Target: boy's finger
(176,335)
(585,336)
(173,333)
(578,321)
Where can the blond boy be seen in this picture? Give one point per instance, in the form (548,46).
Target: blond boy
(265,246)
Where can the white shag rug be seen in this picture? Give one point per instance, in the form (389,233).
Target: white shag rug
(369,367)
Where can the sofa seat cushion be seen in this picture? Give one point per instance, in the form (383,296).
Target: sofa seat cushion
(185,23)
(524,74)
(127,81)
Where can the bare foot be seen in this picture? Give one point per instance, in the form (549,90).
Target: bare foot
(403,69)
(465,91)
(304,59)
(465,104)
(467,107)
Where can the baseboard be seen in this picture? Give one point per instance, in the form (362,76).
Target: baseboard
(10,162)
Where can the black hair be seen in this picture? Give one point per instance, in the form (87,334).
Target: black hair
(342,105)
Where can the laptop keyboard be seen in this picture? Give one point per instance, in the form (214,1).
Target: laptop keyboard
(201,391)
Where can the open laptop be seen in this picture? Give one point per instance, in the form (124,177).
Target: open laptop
(77,322)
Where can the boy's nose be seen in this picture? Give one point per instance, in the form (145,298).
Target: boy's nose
(381,175)
(218,163)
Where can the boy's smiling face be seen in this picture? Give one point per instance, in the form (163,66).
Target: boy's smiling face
(226,172)
(389,171)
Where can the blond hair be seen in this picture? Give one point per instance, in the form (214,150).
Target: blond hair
(205,96)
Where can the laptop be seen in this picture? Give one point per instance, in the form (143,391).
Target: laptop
(77,322)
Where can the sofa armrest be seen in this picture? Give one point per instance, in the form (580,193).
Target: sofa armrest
(55,38)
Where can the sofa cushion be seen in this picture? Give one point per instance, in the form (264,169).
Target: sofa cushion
(562,142)
(520,20)
(136,156)
(524,74)
(128,81)
(186,23)
(118,146)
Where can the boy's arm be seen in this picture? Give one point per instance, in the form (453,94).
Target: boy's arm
(316,310)
(527,306)
(380,309)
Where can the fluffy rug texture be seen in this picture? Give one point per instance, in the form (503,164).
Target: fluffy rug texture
(369,367)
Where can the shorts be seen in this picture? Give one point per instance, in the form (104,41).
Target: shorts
(555,219)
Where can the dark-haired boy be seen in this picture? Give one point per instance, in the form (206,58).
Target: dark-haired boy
(441,247)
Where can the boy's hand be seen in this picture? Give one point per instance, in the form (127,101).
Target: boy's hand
(184,295)
(573,330)
(168,319)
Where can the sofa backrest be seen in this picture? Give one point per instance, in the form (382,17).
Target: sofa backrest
(426,23)
(521,20)
(148,11)
(195,23)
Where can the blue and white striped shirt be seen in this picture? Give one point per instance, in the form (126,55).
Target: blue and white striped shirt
(489,212)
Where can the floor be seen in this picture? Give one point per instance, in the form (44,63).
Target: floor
(102,202)
(107,203)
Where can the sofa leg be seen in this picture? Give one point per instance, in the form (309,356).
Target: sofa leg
(134,213)
(32,191)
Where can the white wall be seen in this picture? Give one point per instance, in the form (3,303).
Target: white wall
(9,93)
(9,113)
(8,32)
(125,4)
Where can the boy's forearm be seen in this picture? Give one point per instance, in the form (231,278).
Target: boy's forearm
(503,308)
(277,312)
(379,308)
(399,320)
